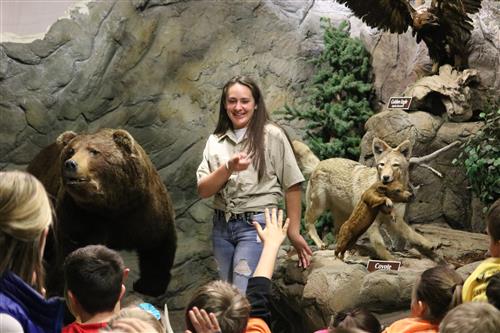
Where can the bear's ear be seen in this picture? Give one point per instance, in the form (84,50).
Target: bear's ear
(65,137)
(405,149)
(124,140)
(378,147)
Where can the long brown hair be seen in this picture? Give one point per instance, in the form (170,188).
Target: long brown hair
(440,288)
(255,131)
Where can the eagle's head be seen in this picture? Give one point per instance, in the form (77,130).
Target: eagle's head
(425,19)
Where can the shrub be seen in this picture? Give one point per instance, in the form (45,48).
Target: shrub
(338,98)
(481,157)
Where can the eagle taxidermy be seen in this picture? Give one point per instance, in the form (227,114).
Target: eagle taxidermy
(445,26)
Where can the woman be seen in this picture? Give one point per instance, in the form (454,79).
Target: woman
(248,164)
(25,217)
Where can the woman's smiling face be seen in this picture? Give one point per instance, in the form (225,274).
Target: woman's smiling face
(240,105)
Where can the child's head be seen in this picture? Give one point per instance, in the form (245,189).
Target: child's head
(493,290)
(231,308)
(346,330)
(357,318)
(438,290)
(94,279)
(471,317)
(135,316)
(493,228)
(25,217)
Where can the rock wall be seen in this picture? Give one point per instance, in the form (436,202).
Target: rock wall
(155,68)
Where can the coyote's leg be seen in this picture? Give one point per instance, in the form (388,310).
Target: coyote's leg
(402,230)
(313,211)
(378,242)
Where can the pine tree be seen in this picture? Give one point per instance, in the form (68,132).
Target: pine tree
(338,101)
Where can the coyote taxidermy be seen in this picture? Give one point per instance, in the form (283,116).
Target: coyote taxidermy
(336,184)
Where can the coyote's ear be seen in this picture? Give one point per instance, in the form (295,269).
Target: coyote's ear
(405,149)
(378,147)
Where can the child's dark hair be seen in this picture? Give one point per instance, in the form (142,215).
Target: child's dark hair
(357,318)
(493,290)
(94,274)
(345,330)
(493,220)
(440,288)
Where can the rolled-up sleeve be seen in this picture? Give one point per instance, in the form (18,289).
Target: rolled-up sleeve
(204,167)
(286,167)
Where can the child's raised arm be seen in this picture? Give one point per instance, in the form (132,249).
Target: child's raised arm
(272,237)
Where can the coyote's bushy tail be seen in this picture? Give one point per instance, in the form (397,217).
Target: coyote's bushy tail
(305,157)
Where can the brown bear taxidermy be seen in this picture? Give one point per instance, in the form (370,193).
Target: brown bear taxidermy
(378,197)
(445,26)
(107,191)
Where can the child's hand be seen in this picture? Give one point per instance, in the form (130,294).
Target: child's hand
(203,322)
(275,231)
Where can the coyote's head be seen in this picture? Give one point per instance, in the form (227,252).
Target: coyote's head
(392,163)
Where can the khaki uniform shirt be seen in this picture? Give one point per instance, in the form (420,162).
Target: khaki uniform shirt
(242,192)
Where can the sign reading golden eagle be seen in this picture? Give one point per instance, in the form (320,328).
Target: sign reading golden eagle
(444,26)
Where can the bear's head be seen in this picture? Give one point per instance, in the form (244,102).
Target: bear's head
(104,170)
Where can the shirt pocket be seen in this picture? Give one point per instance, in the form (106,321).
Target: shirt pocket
(246,180)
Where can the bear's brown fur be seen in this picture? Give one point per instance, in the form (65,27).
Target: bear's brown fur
(378,197)
(108,192)
(46,164)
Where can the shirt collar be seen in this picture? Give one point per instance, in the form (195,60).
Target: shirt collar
(231,136)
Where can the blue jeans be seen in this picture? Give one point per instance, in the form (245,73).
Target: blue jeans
(237,248)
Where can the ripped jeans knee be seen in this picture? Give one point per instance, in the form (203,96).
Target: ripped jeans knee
(242,268)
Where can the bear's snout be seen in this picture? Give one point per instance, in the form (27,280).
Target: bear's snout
(70,165)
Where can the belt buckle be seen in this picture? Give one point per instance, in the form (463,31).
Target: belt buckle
(243,216)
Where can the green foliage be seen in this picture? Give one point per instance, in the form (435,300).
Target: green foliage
(337,102)
(338,98)
(481,157)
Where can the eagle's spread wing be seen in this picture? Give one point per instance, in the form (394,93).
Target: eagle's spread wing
(454,19)
(392,15)
(471,6)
